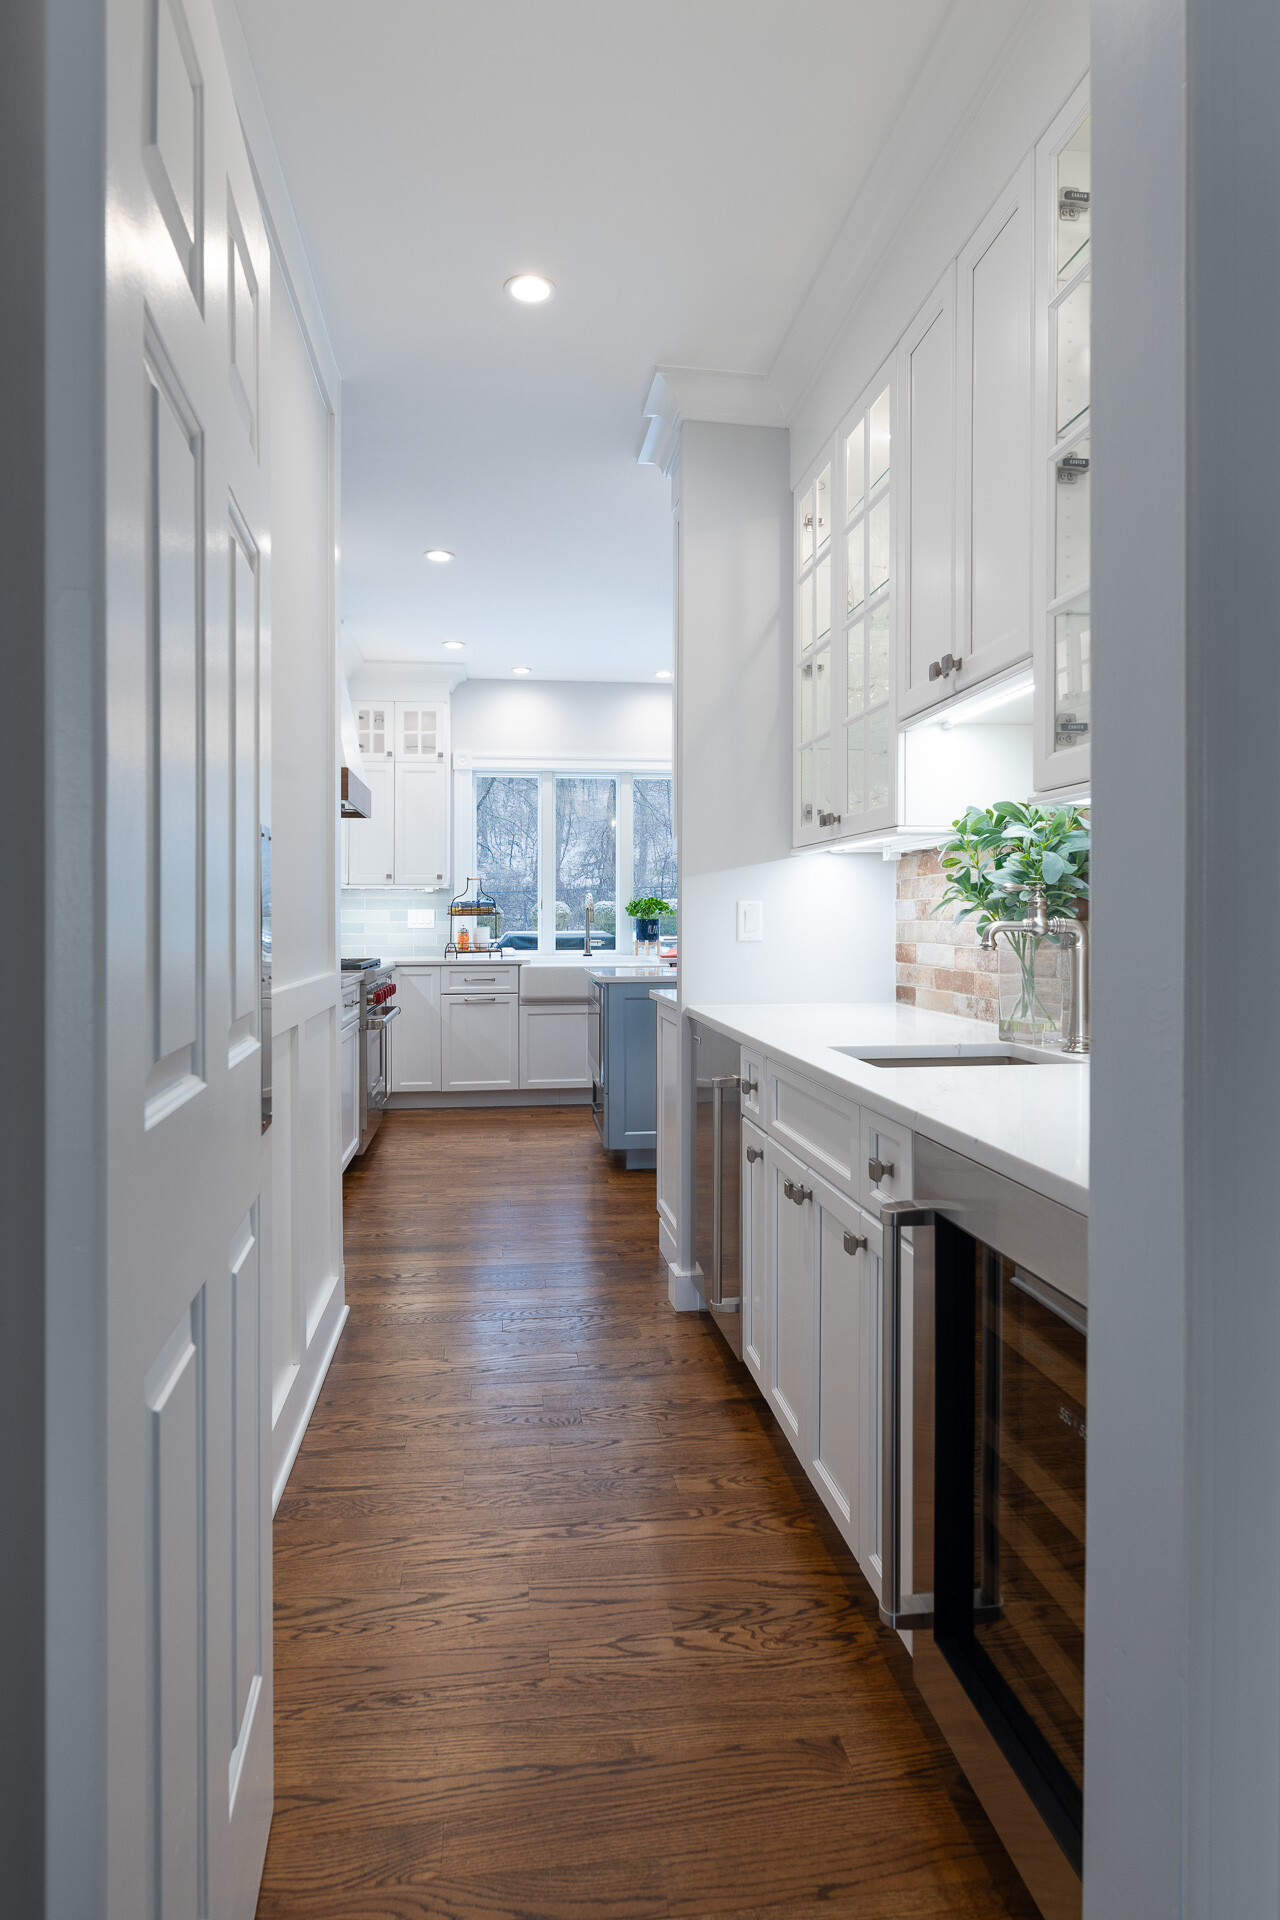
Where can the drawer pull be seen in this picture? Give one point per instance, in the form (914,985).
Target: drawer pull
(754,1153)
(480,1000)
(879,1170)
(855,1243)
(798,1195)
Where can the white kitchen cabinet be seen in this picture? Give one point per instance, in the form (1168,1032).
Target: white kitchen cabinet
(845,1363)
(925,492)
(866,732)
(1061,573)
(553,1044)
(884,1161)
(421,733)
(813,708)
(371,842)
(479,1042)
(755,1256)
(349,1124)
(790,1216)
(421,837)
(415,1032)
(994,305)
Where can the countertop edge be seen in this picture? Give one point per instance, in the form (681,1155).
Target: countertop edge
(848,1086)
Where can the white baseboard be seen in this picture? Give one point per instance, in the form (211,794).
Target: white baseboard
(682,1289)
(500,1097)
(666,1242)
(304,1414)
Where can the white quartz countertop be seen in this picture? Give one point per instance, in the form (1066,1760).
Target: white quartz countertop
(627,970)
(1029,1122)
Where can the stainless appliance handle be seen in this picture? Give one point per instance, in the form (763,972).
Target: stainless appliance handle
(896,1609)
(379,1020)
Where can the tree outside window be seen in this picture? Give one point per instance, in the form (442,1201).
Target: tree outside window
(507,847)
(653,871)
(586,852)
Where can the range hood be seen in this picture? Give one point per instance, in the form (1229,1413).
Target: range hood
(357,801)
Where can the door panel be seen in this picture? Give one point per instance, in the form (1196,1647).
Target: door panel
(836,1398)
(371,842)
(187,1654)
(479,1043)
(414,1037)
(421,826)
(755,1252)
(928,499)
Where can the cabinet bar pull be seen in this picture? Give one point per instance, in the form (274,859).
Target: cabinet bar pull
(479,999)
(798,1195)
(879,1170)
(855,1243)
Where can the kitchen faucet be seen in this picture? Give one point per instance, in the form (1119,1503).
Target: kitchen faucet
(1074,935)
(588,921)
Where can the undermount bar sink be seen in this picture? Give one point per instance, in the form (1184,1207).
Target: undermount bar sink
(992,1054)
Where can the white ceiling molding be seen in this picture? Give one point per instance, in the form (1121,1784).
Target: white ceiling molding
(702,393)
(948,92)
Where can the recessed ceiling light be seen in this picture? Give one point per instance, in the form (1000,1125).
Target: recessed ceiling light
(439,555)
(522,669)
(663,673)
(455,645)
(530,289)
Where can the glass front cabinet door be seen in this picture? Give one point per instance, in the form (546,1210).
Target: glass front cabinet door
(845,763)
(1064,690)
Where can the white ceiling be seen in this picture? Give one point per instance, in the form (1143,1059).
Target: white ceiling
(679,168)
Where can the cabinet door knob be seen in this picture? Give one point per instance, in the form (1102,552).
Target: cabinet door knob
(754,1153)
(855,1243)
(751,1086)
(935,669)
(789,1188)
(797,1195)
(879,1170)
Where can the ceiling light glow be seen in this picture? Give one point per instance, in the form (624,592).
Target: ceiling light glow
(530,289)
(439,554)
(522,669)
(663,673)
(454,645)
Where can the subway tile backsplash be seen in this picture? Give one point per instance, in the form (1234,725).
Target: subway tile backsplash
(375,922)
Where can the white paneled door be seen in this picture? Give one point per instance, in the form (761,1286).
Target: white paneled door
(188,1653)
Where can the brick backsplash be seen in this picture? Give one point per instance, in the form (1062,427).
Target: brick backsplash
(939,963)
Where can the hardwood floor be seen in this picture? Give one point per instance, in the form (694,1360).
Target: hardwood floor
(560,1629)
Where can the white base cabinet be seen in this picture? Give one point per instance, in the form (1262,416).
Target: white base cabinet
(415,1033)
(479,1042)
(350,1109)
(811,1313)
(668,1146)
(553,1045)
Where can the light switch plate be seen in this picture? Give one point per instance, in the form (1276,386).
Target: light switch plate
(751,919)
(422,916)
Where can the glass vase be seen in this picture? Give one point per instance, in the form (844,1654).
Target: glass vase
(1032,988)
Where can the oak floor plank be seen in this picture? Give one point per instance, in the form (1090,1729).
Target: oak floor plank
(560,1629)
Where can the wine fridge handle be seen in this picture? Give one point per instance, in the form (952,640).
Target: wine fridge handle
(896,1609)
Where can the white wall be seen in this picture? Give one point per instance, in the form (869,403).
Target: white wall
(564,722)
(734,768)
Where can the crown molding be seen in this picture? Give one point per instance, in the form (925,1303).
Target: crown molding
(677,394)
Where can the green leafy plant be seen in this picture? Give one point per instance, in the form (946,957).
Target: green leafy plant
(647,909)
(999,854)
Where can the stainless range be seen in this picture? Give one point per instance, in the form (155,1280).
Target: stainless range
(377,1010)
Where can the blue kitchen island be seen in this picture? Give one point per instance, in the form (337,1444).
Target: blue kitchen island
(622,1047)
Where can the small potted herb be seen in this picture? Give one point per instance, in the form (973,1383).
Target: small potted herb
(998,856)
(645,914)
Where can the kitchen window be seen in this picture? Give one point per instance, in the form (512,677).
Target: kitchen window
(545,839)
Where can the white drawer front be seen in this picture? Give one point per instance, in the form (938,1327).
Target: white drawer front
(752,1071)
(884,1169)
(475,977)
(820,1127)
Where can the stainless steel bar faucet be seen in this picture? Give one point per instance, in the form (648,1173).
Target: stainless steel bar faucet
(588,922)
(1074,935)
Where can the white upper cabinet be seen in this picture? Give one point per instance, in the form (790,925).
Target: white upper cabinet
(815,807)
(866,736)
(371,842)
(926,495)
(1064,664)
(405,746)
(993,434)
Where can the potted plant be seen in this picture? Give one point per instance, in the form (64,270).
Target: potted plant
(1001,854)
(645,914)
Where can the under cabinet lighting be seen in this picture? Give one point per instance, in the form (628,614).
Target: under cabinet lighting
(530,289)
(522,669)
(439,554)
